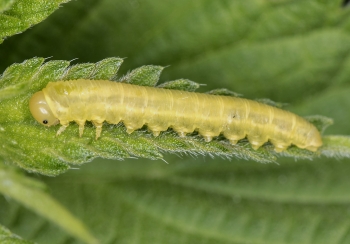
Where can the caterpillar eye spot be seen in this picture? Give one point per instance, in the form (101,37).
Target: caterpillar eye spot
(45,122)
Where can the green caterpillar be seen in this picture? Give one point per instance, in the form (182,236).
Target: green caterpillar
(159,109)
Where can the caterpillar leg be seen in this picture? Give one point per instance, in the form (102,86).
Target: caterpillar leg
(131,126)
(256,146)
(233,142)
(81,124)
(62,128)
(157,128)
(280,146)
(208,138)
(234,136)
(280,149)
(208,134)
(257,141)
(98,125)
(130,130)
(181,133)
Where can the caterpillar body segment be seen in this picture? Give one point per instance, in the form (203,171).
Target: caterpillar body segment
(212,115)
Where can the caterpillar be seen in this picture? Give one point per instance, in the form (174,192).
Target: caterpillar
(211,115)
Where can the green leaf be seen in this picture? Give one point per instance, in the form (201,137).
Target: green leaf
(105,69)
(31,76)
(21,80)
(30,193)
(216,201)
(25,138)
(6,237)
(270,102)
(224,92)
(294,52)
(180,84)
(17,16)
(147,75)
(336,146)
(5,5)
(321,122)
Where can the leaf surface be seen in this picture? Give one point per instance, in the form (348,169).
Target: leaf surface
(7,237)
(16,16)
(294,52)
(31,194)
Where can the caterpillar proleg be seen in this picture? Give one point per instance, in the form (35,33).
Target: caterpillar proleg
(158,108)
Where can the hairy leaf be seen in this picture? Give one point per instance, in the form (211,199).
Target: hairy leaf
(224,92)
(37,149)
(26,152)
(294,52)
(181,84)
(5,5)
(336,146)
(147,75)
(16,16)
(6,237)
(216,201)
(321,122)
(270,102)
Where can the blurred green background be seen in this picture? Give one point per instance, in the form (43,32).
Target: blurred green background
(295,52)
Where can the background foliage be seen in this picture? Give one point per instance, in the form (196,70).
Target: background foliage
(294,52)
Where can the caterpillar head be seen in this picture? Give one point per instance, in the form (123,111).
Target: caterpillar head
(41,110)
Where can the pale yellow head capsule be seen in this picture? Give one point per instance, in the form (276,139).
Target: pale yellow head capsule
(41,110)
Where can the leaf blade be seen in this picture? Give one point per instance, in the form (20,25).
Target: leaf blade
(6,237)
(17,16)
(30,194)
